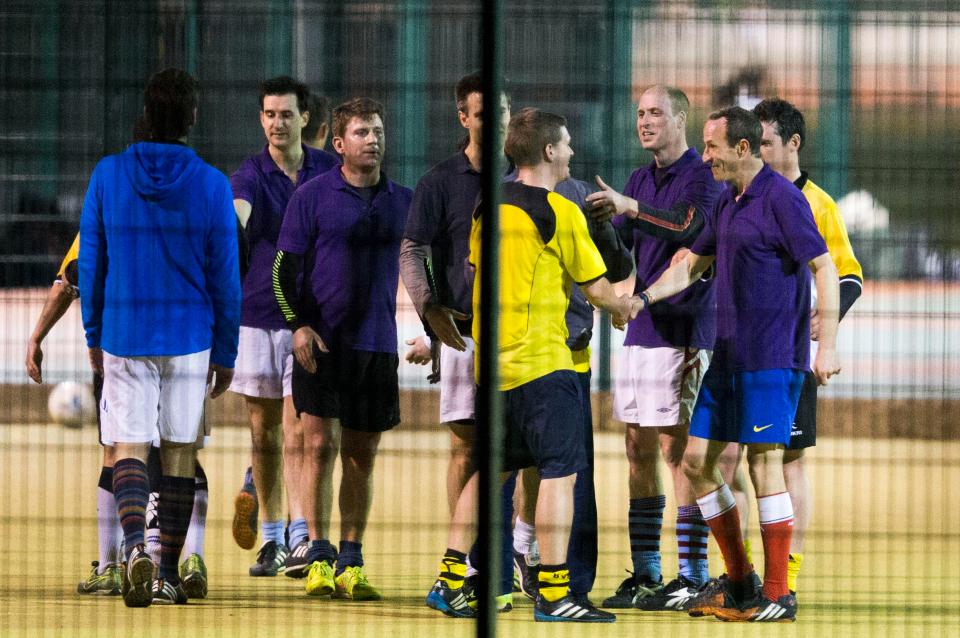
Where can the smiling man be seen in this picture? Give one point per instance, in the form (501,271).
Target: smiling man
(784,134)
(341,234)
(667,349)
(546,248)
(763,239)
(262,186)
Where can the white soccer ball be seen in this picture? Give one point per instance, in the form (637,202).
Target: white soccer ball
(72,404)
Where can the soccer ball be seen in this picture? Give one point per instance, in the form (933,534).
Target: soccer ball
(72,404)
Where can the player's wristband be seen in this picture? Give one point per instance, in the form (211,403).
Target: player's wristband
(645,298)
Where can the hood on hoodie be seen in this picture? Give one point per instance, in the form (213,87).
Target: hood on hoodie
(156,169)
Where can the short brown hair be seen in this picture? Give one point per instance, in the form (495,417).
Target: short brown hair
(362,107)
(530,131)
(741,125)
(679,102)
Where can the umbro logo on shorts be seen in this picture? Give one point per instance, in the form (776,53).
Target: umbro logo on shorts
(663,410)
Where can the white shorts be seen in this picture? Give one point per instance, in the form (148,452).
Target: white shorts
(264,365)
(149,397)
(658,387)
(458,386)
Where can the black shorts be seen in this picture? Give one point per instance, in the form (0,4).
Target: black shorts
(543,422)
(803,434)
(359,388)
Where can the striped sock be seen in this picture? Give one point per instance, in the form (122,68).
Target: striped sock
(351,555)
(692,532)
(174,509)
(109,532)
(644,522)
(131,492)
(198,518)
(554,581)
(297,531)
(719,509)
(453,568)
(272,531)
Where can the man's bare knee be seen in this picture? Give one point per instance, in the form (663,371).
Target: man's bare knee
(673,443)
(642,447)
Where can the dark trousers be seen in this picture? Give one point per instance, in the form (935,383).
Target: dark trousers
(582,549)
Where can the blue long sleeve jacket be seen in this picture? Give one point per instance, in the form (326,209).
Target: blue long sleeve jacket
(158,265)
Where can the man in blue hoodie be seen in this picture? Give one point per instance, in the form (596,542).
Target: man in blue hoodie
(160,295)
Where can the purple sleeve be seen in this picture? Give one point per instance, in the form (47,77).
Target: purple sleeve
(701,191)
(297,231)
(799,234)
(706,242)
(423,220)
(243,182)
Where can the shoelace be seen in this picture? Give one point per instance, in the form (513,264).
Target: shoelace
(267,553)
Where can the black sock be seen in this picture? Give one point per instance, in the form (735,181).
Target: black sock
(176,505)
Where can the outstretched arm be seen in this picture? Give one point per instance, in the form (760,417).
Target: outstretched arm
(677,277)
(680,222)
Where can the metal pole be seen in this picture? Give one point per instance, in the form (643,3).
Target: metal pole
(411,91)
(50,112)
(489,408)
(190,36)
(835,90)
(619,128)
(278,34)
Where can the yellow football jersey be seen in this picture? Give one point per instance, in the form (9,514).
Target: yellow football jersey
(545,248)
(830,224)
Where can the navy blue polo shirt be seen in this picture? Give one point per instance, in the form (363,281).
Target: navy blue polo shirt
(351,252)
(440,216)
(763,243)
(266,187)
(688,318)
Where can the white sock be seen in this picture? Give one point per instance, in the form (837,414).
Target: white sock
(153,528)
(109,532)
(524,537)
(471,570)
(198,526)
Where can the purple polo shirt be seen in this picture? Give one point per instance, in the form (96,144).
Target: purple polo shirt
(261,182)
(762,243)
(441,216)
(687,319)
(351,252)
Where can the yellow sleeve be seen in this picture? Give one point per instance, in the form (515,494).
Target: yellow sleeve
(71,255)
(578,253)
(834,231)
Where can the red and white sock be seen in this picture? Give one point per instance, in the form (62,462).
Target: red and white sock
(719,510)
(776,527)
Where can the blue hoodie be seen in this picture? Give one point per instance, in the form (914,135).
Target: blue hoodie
(158,264)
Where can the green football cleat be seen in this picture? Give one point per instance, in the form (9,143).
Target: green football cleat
(320,581)
(107,583)
(352,584)
(193,576)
